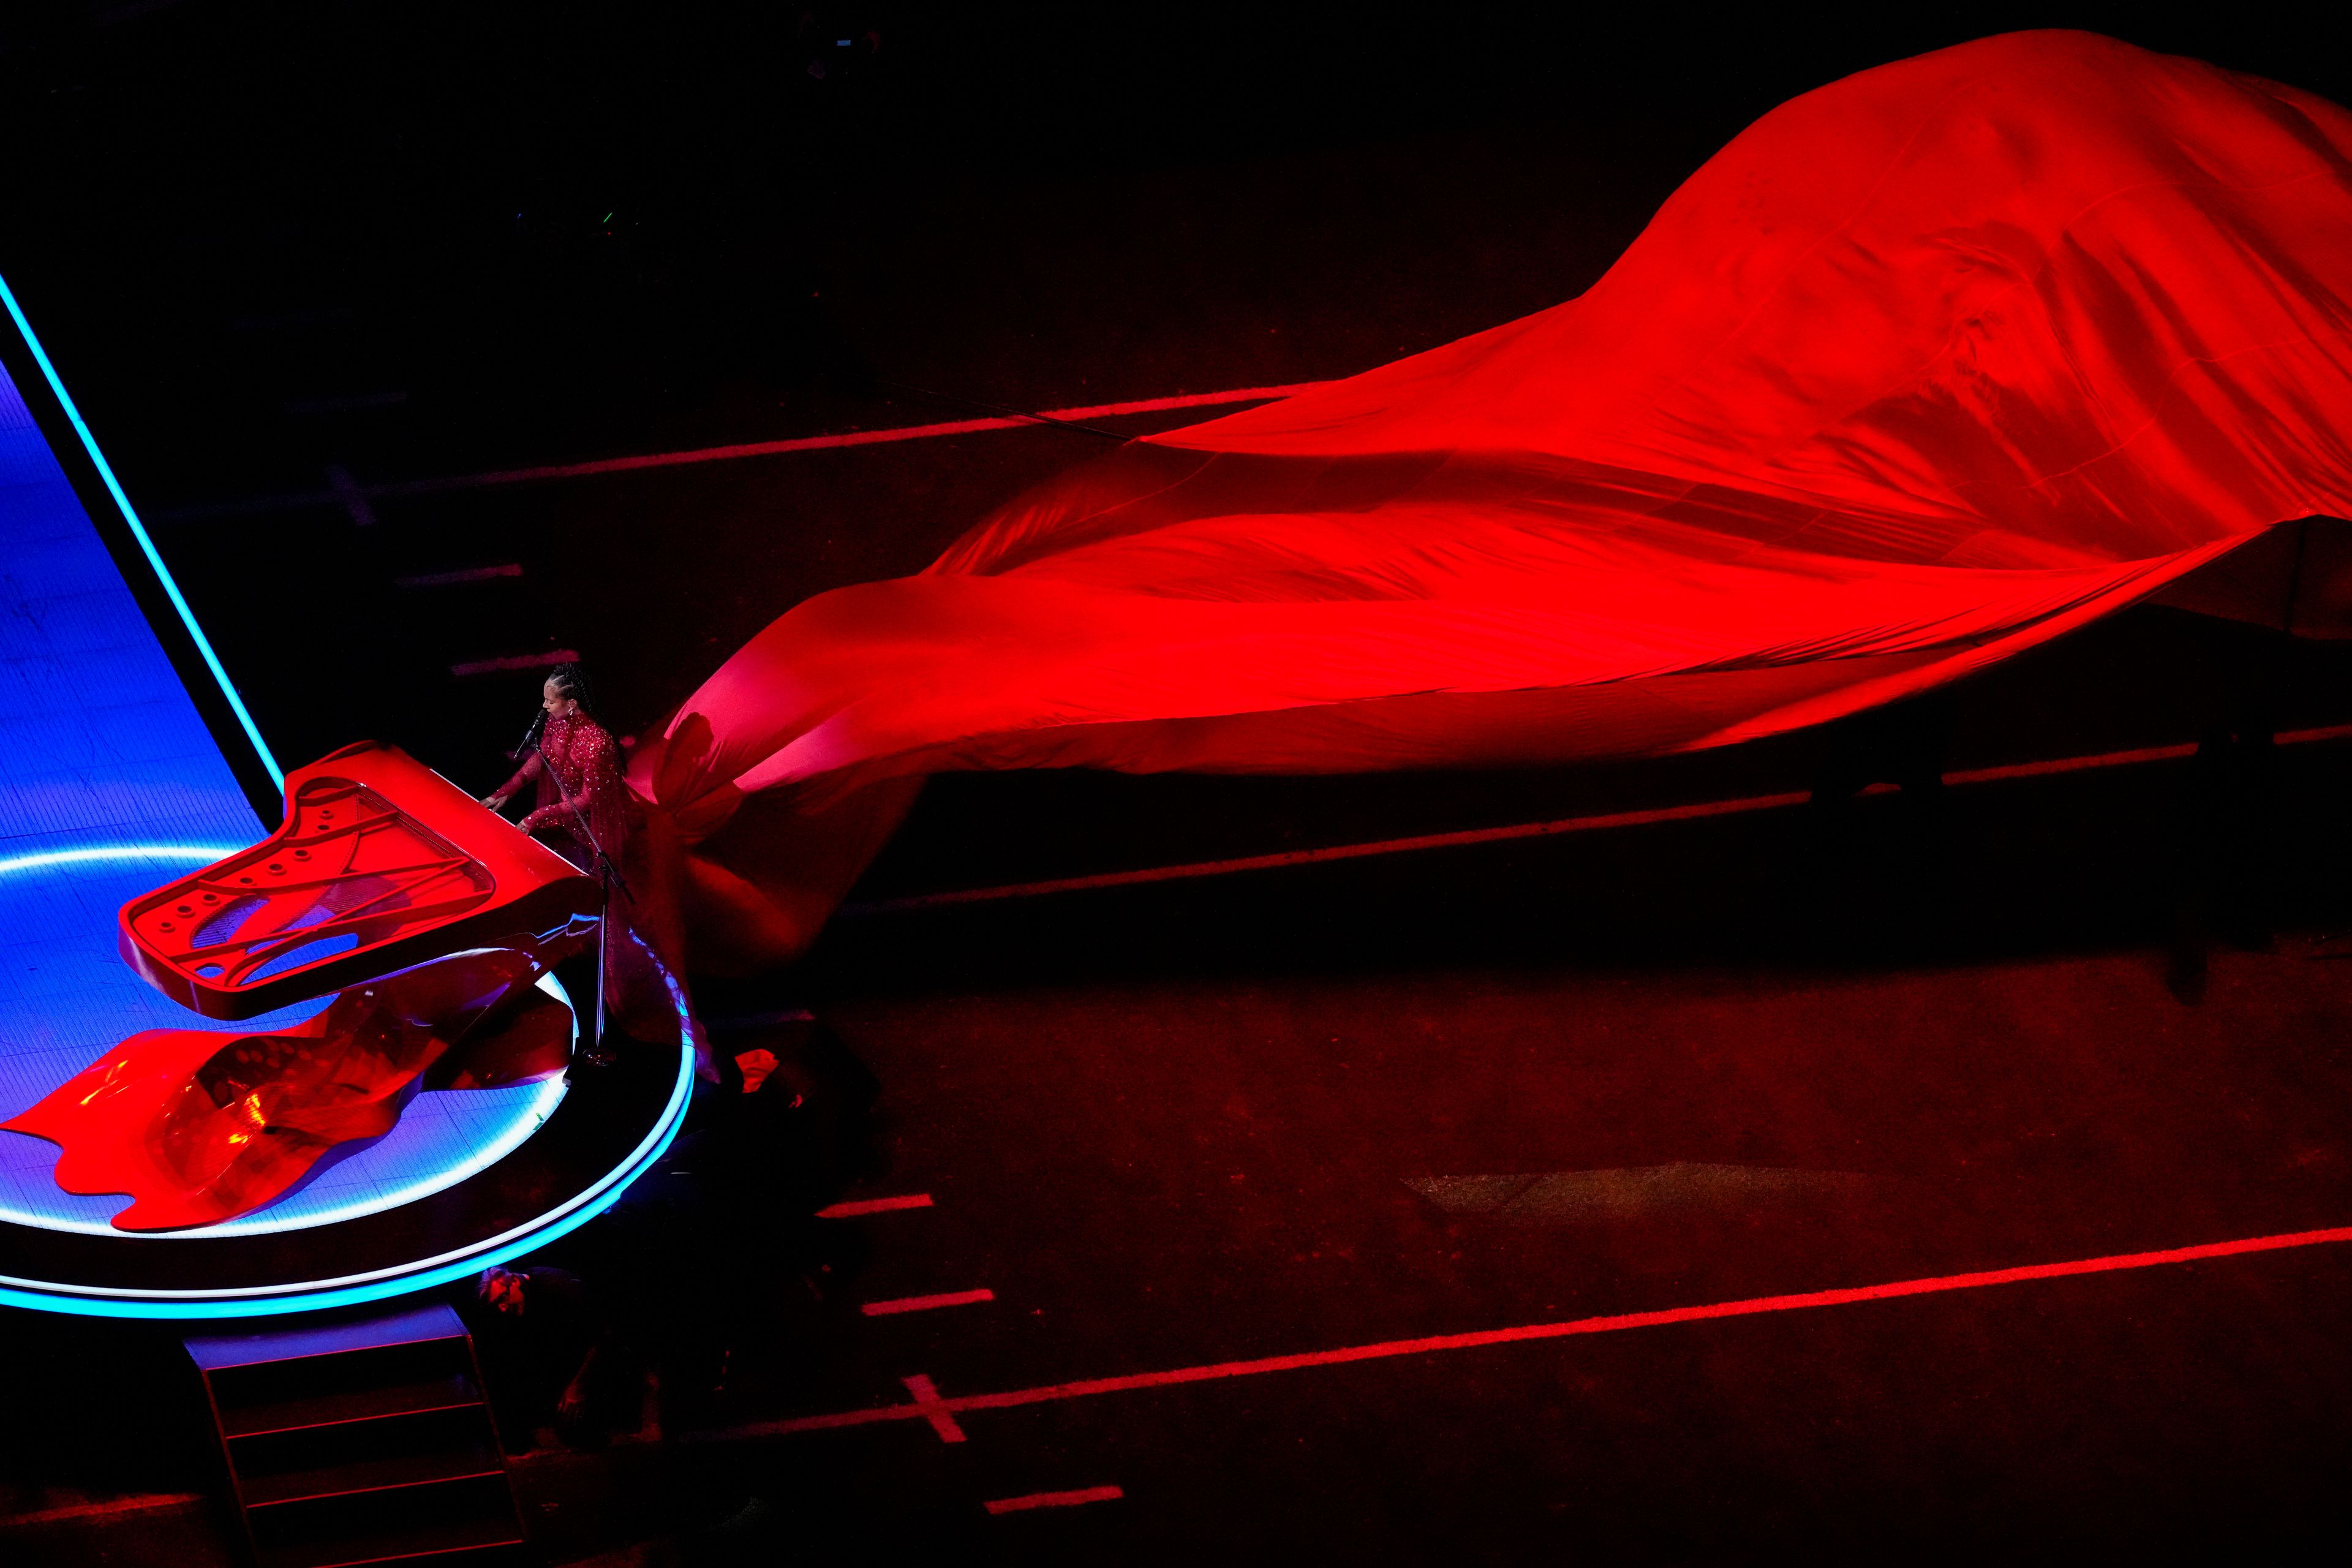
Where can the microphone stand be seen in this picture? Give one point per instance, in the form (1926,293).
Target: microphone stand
(607,873)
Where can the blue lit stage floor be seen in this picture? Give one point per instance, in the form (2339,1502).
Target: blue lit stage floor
(110,784)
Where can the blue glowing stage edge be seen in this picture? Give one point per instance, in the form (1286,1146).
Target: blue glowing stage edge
(138,530)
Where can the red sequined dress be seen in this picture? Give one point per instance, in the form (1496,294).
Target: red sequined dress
(579,780)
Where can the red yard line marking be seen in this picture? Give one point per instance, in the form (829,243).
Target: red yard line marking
(521,661)
(1526,830)
(875,1206)
(1054,1499)
(545,471)
(927,1403)
(629,464)
(1316,857)
(926,1303)
(1187,400)
(2102,760)
(1383,1350)
(470,575)
(147,1503)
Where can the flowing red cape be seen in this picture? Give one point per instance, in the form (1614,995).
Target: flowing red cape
(1928,366)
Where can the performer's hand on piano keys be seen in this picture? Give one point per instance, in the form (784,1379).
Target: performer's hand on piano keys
(495,802)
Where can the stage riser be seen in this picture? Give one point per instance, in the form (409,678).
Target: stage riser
(361,1440)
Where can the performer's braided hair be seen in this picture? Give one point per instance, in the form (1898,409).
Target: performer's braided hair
(573,681)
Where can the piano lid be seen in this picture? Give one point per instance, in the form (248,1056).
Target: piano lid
(381,864)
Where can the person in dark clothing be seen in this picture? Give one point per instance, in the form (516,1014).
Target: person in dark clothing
(541,1335)
(732,1206)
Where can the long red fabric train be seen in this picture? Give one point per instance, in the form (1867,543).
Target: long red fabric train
(1925,367)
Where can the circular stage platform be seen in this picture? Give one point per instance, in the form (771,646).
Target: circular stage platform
(466,1179)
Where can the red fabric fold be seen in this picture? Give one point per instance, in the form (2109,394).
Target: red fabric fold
(1925,367)
(199,1126)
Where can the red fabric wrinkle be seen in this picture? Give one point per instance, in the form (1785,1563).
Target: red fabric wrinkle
(1924,368)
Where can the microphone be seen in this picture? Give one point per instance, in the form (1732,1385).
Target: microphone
(531,736)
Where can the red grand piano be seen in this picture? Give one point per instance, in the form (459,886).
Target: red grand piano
(430,920)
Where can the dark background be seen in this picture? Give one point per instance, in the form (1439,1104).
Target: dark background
(558,226)
(410,240)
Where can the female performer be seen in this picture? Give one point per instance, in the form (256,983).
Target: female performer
(583,806)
